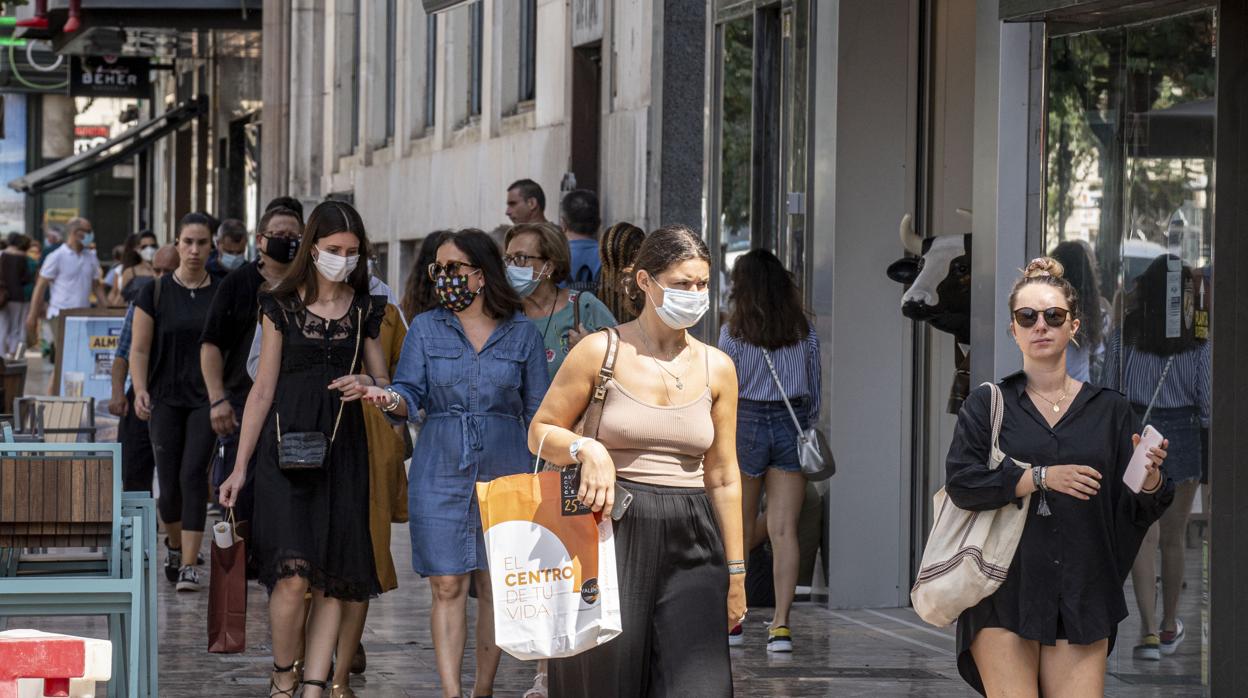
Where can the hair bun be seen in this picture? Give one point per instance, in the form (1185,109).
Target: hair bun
(1043,266)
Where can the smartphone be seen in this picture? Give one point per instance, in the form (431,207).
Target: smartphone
(623,499)
(1137,469)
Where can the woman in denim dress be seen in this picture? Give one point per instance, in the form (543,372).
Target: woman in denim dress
(477,367)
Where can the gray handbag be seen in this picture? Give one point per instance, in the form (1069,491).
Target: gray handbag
(305,451)
(813,451)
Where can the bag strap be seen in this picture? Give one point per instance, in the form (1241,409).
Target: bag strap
(593,413)
(1157,392)
(998,416)
(359,332)
(776,377)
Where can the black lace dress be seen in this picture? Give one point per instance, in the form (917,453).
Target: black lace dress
(315,524)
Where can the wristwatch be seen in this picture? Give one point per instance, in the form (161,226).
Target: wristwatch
(574,450)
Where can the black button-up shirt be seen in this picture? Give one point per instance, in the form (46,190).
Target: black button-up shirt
(1071,563)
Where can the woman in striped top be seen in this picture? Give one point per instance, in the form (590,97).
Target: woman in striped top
(768,321)
(1167,380)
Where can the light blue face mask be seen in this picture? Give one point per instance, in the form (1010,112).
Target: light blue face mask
(523,280)
(232,261)
(88,239)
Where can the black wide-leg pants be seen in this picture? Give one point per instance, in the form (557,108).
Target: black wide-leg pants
(674,601)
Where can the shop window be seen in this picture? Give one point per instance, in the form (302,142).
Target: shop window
(736,144)
(1128,199)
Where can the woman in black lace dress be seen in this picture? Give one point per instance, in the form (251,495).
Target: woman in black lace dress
(318,352)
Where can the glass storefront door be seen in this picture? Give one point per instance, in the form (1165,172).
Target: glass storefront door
(1129,172)
(756,190)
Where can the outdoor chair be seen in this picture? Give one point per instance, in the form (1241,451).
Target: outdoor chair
(55,496)
(56,419)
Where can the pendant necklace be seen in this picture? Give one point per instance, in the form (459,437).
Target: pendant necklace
(1057,406)
(183,284)
(680,385)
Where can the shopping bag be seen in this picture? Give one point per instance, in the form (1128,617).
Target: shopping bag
(552,567)
(227,592)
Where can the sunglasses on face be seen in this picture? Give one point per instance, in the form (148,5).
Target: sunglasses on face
(451,269)
(1053,317)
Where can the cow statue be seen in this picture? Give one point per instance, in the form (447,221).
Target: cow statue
(938,292)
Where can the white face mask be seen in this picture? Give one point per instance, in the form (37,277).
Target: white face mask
(335,267)
(682,309)
(148,253)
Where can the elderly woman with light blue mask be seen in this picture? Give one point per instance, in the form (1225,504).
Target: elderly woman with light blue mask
(538,259)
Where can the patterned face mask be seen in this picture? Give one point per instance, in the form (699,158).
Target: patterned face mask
(453,292)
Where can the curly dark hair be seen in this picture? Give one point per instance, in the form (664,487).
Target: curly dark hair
(767,308)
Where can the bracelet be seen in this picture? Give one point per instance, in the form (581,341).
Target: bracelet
(218,403)
(1044,478)
(395,399)
(1036,476)
(1160,481)
(736,569)
(736,563)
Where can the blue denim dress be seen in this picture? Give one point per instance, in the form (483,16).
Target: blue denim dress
(478,408)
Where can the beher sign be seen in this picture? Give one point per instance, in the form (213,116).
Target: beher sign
(110,76)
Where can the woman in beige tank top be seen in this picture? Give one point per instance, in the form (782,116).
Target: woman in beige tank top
(668,434)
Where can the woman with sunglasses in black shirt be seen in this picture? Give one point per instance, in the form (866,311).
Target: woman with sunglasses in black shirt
(1050,627)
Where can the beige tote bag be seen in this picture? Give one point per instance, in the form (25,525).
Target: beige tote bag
(969,552)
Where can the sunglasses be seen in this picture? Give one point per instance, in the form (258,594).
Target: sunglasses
(451,269)
(1053,317)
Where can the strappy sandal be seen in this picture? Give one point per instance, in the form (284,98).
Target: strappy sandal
(274,691)
(317,684)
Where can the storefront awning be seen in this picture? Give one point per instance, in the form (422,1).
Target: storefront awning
(112,151)
(1070,16)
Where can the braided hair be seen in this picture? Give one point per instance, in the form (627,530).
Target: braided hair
(617,250)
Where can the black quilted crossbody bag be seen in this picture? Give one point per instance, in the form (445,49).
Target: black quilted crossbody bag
(305,451)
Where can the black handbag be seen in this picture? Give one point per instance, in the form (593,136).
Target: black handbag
(303,451)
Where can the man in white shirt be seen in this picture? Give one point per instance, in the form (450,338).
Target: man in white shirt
(72,271)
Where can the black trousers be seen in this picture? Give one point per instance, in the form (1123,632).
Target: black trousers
(138,464)
(182,440)
(674,600)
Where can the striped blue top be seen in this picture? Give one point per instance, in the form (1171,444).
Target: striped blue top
(797,364)
(1136,374)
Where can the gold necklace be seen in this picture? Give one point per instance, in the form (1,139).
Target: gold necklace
(680,384)
(1057,406)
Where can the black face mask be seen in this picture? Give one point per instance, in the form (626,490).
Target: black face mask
(281,250)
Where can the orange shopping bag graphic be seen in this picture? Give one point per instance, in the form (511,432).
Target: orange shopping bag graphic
(553,575)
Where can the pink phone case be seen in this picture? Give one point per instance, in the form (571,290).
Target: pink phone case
(1137,469)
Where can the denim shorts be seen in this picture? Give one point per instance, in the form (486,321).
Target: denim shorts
(766,437)
(1181,427)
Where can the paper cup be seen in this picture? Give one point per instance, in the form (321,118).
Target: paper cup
(74,383)
(222,534)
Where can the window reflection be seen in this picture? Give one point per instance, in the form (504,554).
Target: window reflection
(736,148)
(1128,211)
